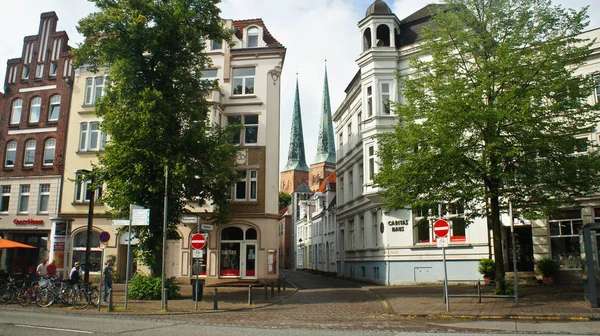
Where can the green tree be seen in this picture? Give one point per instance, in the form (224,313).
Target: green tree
(284,199)
(493,114)
(155,112)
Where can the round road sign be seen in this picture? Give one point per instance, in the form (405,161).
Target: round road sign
(104,236)
(198,241)
(441,228)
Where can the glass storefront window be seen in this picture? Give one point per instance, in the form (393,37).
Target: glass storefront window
(79,244)
(564,238)
(230,259)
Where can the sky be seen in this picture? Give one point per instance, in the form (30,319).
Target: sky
(312,31)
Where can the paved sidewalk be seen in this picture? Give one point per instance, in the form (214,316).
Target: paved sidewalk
(535,302)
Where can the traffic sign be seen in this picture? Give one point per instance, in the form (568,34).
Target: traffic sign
(441,228)
(104,236)
(198,241)
(140,217)
(442,242)
(189,219)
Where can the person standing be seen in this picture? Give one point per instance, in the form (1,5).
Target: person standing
(51,269)
(41,269)
(108,278)
(74,275)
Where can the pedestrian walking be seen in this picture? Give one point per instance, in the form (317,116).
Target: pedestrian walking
(108,278)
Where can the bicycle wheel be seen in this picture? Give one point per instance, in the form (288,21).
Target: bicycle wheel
(45,298)
(24,296)
(7,295)
(80,299)
(94,296)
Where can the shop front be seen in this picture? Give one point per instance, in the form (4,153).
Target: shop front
(33,231)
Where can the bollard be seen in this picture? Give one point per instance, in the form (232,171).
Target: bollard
(166,292)
(215,300)
(272,289)
(278,285)
(284,283)
(479,289)
(110,300)
(266,292)
(250,295)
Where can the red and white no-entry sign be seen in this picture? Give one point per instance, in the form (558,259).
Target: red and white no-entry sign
(441,228)
(198,241)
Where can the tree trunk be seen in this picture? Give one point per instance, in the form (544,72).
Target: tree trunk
(498,253)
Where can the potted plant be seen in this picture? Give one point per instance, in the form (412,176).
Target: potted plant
(487,267)
(548,267)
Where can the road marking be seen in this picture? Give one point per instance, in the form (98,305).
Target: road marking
(57,329)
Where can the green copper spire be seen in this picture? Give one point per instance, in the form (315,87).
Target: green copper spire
(296,156)
(325,144)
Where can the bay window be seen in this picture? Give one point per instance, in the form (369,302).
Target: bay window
(82,192)
(94,89)
(91,138)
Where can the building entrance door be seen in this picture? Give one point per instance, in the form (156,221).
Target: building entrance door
(524,249)
(249,266)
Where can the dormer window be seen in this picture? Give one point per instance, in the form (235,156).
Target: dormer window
(252,37)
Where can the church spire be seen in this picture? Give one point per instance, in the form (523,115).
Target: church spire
(296,156)
(325,144)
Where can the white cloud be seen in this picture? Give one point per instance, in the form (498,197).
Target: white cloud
(311,30)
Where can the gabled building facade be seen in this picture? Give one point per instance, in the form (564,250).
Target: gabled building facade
(34,114)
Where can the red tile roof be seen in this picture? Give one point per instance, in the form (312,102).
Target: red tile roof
(323,185)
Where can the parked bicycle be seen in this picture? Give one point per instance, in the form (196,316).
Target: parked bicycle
(28,293)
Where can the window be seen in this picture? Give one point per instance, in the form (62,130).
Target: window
(359,122)
(49,149)
(15,116)
(249,134)
(79,245)
(341,141)
(91,139)
(246,189)
(352,235)
(82,192)
(54,108)
(374,225)
(371,162)
(44,198)
(34,110)
(581,146)
(209,74)
(361,178)
(11,154)
(216,45)
(564,238)
(252,37)
(385,97)
(4,198)
(29,157)
(53,69)
(361,222)
(341,200)
(369,102)
(349,132)
(350,185)
(39,71)
(94,89)
(25,74)
(24,198)
(243,81)
(597,89)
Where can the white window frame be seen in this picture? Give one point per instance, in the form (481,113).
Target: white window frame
(371,162)
(16,111)
(53,69)
(94,89)
(375,224)
(4,198)
(29,153)
(249,182)
(11,153)
(49,152)
(252,37)
(24,192)
(54,111)
(597,89)
(243,119)
(239,78)
(25,74)
(216,45)
(86,134)
(369,100)
(81,190)
(35,110)
(386,97)
(39,71)
(44,199)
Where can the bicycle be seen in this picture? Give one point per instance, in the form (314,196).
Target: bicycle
(51,293)
(28,294)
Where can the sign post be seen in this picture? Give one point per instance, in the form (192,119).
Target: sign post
(137,216)
(198,242)
(441,228)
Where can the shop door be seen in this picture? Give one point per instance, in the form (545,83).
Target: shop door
(249,265)
(524,249)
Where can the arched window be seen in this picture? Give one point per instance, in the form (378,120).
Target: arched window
(79,245)
(11,154)
(251,234)
(29,156)
(367,39)
(34,109)
(232,233)
(15,115)
(383,36)
(54,108)
(252,37)
(49,149)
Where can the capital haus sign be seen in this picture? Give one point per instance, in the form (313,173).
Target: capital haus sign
(398,225)
(28,222)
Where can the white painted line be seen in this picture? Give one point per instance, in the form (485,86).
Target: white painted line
(57,329)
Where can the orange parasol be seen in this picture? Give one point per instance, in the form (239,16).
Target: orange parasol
(5,243)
